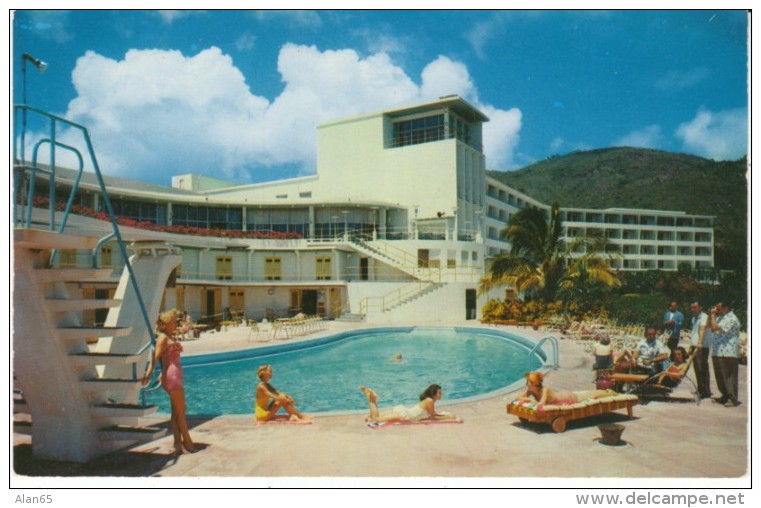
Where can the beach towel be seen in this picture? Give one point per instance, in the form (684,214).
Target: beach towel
(281,419)
(380,425)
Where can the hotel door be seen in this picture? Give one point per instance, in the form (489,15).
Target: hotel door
(309,302)
(214,304)
(470,304)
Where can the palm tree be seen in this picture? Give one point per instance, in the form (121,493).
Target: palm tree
(539,260)
(588,275)
(537,257)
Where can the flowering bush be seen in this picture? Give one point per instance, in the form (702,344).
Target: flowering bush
(42,202)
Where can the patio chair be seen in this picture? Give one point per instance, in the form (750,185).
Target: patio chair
(649,386)
(255,329)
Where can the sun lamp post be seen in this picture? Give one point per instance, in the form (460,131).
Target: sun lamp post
(41,66)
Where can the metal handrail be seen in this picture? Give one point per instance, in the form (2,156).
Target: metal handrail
(54,120)
(394,297)
(555,355)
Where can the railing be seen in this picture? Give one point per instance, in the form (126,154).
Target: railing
(55,121)
(555,354)
(394,297)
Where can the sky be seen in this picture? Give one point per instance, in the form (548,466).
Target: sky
(238,95)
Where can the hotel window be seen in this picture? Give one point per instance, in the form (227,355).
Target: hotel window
(307,194)
(323,268)
(236,300)
(418,130)
(106,259)
(224,268)
(67,257)
(272,268)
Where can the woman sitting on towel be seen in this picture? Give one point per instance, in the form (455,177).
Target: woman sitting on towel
(421,411)
(537,392)
(269,400)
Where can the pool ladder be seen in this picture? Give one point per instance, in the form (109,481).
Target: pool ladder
(555,355)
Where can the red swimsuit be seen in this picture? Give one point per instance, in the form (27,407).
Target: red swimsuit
(171,378)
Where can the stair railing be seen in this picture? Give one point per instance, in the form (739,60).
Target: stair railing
(55,121)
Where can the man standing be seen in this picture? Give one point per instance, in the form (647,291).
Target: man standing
(700,336)
(672,321)
(725,349)
(650,353)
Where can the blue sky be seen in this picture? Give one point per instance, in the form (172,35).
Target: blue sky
(238,94)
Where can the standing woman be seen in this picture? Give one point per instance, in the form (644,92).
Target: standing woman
(168,350)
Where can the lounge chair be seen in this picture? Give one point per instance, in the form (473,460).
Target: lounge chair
(559,416)
(280,326)
(646,386)
(255,330)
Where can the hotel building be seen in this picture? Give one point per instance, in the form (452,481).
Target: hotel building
(398,224)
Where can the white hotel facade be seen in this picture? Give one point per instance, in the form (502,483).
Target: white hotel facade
(397,225)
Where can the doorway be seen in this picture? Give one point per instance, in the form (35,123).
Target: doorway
(364,270)
(309,302)
(470,304)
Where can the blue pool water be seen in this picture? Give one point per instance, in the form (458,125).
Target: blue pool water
(323,375)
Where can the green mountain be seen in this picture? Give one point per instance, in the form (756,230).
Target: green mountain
(643,178)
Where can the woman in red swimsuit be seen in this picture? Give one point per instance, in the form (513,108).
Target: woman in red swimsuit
(541,395)
(167,351)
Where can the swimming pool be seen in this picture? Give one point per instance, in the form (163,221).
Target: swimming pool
(323,374)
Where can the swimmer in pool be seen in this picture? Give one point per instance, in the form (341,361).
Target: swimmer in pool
(423,410)
(537,392)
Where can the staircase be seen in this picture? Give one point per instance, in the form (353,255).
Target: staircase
(350,318)
(77,387)
(414,296)
(396,257)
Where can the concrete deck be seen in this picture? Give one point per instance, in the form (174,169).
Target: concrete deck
(700,445)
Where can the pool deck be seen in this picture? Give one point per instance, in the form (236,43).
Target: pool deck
(684,443)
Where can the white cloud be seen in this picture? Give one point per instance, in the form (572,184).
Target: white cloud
(560,145)
(162,113)
(245,42)
(483,32)
(51,25)
(721,135)
(647,137)
(170,16)
(678,80)
(292,17)
(376,42)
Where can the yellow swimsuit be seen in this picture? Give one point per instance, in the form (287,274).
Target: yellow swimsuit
(261,413)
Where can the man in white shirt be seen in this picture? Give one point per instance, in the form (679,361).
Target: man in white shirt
(700,337)
(650,353)
(725,351)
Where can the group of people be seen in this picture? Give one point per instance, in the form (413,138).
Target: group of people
(268,401)
(715,334)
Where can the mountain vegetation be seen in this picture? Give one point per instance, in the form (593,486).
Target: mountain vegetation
(643,178)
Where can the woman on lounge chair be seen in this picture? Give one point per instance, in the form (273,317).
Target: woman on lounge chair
(671,377)
(537,392)
(423,410)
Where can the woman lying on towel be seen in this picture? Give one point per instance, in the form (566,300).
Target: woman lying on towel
(537,392)
(421,411)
